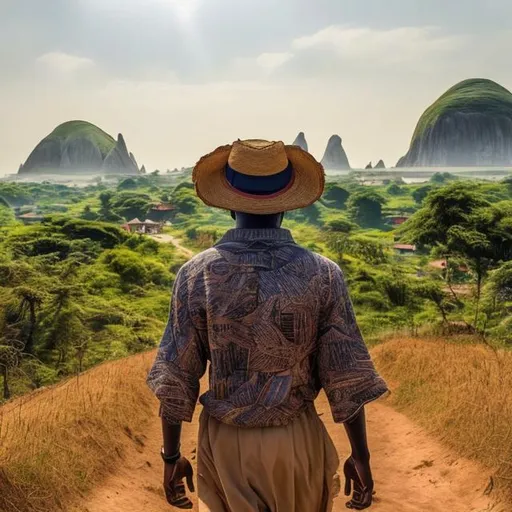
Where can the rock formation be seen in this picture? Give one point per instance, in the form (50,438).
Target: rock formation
(143,169)
(369,166)
(301,141)
(380,165)
(79,146)
(335,157)
(469,125)
(134,160)
(119,161)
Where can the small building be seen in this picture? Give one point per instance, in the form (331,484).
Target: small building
(398,221)
(30,218)
(441,265)
(146,227)
(405,248)
(161,212)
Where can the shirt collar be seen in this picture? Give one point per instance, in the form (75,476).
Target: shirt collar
(252,235)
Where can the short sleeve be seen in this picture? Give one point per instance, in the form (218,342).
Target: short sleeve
(345,368)
(182,355)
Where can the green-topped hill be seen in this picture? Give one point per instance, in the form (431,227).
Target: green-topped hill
(103,140)
(470,124)
(80,146)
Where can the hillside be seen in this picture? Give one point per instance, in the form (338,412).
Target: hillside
(470,124)
(79,146)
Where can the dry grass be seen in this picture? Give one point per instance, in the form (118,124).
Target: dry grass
(460,392)
(56,443)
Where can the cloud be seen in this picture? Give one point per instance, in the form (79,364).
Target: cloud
(271,61)
(391,46)
(64,62)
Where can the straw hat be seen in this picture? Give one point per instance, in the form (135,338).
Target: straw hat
(258,176)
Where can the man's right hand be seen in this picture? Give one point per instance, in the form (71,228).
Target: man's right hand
(358,475)
(174,487)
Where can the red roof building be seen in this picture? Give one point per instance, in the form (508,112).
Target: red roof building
(404,248)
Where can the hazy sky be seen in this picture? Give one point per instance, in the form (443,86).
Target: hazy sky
(180,77)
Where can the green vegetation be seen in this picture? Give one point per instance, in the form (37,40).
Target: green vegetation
(77,289)
(474,95)
(87,130)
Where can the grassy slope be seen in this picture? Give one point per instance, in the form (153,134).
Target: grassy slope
(460,392)
(57,443)
(84,129)
(474,95)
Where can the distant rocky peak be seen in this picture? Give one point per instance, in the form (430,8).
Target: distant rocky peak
(380,165)
(301,141)
(121,144)
(335,157)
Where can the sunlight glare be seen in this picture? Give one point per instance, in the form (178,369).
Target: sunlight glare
(185,9)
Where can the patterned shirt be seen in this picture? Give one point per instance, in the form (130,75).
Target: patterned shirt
(276,324)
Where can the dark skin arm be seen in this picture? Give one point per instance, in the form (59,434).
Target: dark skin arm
(175,473)
(172,436)
(357,467)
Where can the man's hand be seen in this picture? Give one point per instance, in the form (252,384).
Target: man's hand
(357,472)
(173,483)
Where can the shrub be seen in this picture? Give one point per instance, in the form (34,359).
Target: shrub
(128,266)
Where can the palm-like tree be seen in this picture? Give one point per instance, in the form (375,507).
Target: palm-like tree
(11,349)
(30,301)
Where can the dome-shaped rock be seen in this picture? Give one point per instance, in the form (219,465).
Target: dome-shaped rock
(469,125)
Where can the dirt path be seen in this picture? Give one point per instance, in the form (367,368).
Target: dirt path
(169,239)
(412,472)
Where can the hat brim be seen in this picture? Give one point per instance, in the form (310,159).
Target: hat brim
(213,188)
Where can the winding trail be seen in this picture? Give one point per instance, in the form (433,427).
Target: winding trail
(169,239)
(412,471)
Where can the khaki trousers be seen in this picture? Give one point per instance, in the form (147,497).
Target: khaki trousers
(274,469)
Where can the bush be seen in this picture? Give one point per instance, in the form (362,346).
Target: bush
(128,266)
(339,225)
(370,299)
(336,196)
(158,274)
(107,235)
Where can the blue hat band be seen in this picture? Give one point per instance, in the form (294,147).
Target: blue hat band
(259,185)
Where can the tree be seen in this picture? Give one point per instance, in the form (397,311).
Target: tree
(127,184)
(30,301)
(105,199)
(338,242)
(336,195)
(88,214)
(395,190)
(365,208)
(432,291)
(339,225)
(498,295)
(11,349)
(421,193)
(185,200)
(369,250)
(131,205)
(461,222)
(106,214)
